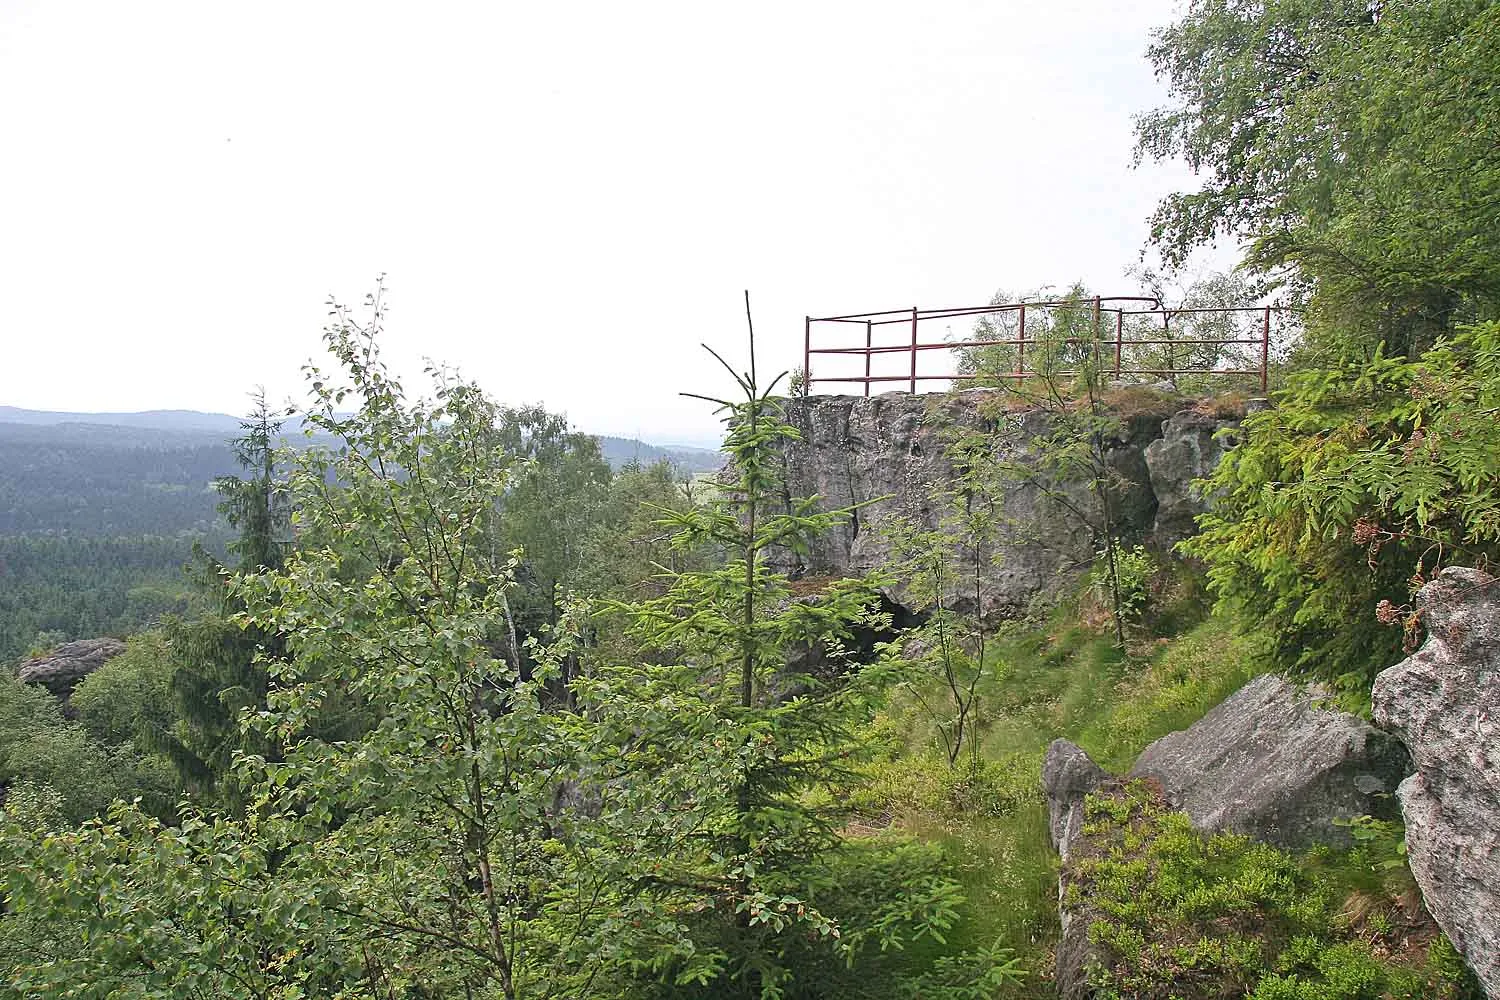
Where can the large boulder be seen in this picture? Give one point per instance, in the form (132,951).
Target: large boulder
(1189,449)
(1272,763)
(1444,702)
(60,670)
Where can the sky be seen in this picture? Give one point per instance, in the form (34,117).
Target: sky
(566,199)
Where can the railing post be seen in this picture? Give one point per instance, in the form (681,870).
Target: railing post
(807,356)
(869,342)
(1171,355)
(1265,352)
(1096,337)
(913,350)
(1119,339)
(1021,348)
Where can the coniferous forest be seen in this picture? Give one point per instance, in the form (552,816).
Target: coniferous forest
(425,695)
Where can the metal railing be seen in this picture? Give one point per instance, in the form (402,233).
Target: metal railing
(1100,344)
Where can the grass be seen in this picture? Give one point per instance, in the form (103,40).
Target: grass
(1060,677)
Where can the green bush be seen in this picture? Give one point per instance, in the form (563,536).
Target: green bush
(129,699)
(1363,480)
(41,749)
(1133,570)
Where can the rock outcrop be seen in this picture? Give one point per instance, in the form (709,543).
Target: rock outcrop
(60,670)
(1444,702)
(1069,774)
(1189,449)
(1271,763)
(893,450)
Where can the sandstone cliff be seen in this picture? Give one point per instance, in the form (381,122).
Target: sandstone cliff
(60,670)
(895,447)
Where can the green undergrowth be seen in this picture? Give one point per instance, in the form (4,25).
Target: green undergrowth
(1060,677)
(1175,913)
(1239,916)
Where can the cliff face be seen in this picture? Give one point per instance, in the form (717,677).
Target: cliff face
(895,446)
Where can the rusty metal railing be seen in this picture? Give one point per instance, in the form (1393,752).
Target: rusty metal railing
(1118,307)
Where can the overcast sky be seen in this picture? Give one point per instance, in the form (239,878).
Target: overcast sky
(566,197)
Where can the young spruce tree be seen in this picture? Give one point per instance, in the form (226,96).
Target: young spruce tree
(755,883)
(218,666)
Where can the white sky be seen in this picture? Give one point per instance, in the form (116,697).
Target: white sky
(566,197)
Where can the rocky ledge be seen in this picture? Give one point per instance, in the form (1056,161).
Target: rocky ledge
(60,670)
(1273,763)
(890,453)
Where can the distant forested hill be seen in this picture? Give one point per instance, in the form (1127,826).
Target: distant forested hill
(102,481)
(619,452)
(99,512)
(158,420)
(135,478)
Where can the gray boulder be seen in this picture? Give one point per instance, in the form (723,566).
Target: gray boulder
(1271,763)
(1068,774)
(1189,449)
(1444,702)
(60,670)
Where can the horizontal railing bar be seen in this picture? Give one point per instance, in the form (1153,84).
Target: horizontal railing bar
(904,315)
(1187,371)
(1029,342)
(906,348)
(1208,309)
(1128,342)
(1042,304)
(860,317)
(1004,376)
(887,378)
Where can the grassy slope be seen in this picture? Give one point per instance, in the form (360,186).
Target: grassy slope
(1058,678)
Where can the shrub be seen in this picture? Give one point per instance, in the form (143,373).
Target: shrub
(129,699)
(39,748)
(1133,572)
(1362,481)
